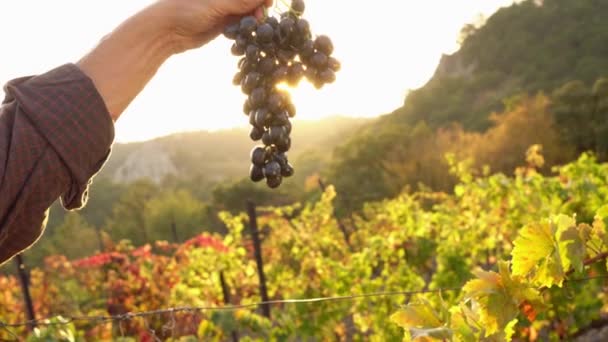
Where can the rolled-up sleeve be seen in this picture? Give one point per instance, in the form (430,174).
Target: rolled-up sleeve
(55,135)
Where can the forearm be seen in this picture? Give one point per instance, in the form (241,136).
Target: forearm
(127,58)
(55,134)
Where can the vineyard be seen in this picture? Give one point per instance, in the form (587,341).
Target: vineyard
(505,257)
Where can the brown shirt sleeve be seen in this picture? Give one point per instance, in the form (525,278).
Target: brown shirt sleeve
(55,135)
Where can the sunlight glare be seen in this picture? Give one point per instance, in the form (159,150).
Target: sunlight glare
(386,49)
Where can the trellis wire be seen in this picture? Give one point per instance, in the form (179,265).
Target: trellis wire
(191,309)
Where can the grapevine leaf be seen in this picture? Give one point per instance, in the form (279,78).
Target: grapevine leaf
(518,288)
(599,226)
(496,309)
(465,323)
(421,322)
(510,330)
(498,296)
(435,334)
(571,247)
(546,250)
(533,245)
(417,315)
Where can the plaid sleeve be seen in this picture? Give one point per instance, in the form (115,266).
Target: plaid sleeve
(55,135)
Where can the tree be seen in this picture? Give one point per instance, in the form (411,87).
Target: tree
(581,114)
(74,238)
(600,120)
(179,209)
(128,214)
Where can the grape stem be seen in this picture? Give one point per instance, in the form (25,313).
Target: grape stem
(591,261)
(284,2)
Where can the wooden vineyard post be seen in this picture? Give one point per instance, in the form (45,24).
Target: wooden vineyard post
(257,246)
(25,288)
(174,230)
(226,294)
(99,239)
(340,224)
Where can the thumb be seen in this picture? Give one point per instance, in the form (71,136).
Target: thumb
(240,7)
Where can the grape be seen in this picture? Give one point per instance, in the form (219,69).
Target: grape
(276,133)
(296,72)
(333,64)
(232,31)
(288,171)
(238,50)
(247,107)
(319,60)
(287,127)
(307,49)
(248,25)
(252,119)
(272,21)
(252,52)
(275,103)
(298,6)
(287,26)
(281,158)
(258,156)
(261,117)
(266,139)
(323,44)
(327,75)
(283,144)
(281,119)
(256,173)
(276,50)
(280,74)
(256,133)
(258,97)
(250,82)
(267,66)
(274,182)
(264,33)
(272,169)
(303,29)
(238,78)
(291,110)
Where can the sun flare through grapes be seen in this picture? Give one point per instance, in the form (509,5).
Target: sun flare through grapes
(275,51)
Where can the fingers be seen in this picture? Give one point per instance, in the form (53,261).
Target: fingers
(259,13)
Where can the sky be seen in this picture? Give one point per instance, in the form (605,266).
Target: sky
(387,47)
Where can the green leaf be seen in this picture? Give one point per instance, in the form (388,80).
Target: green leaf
(496,308)
(440,334)
(465,323)
(417,315)
(599,226)
(547,250)
(510,330)
(534,244)
(517,287)
(571,248)
(498,296)
(421,322)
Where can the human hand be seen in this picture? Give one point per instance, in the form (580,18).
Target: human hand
(194,23)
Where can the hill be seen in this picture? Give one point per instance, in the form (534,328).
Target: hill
(213,166)
(221,155)
(529,48)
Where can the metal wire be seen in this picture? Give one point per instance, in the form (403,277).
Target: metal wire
(193,309)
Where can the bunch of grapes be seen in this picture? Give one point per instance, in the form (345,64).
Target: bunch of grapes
(273,51)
